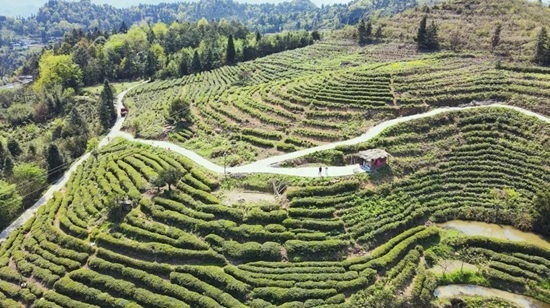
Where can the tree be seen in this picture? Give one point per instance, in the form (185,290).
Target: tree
(57,70)
(378,34)
(496,36)
(152,64)
(170,177)
(10,203)
(158,182)
(76,126)
(114,205)
(8,166)
(30,180)
(55,163)
(178,111)
(14,147)
(368,31)
(433,39)
(107,112)
(230,52)
(426,37)
(541,49)
(315,35)
(208,63)
(81,56)
(258,36)
(184,66)
(123,28)
(196,65)
(3,155)
(422,34)
(542,209)
(362,31)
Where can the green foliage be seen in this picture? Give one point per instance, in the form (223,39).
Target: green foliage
(14,147)
(30,180)
(18,114)
(542,208)
(55,162)
(57,70)
(230,52)
(10,202)
(179,110)
(542,48)
(464,277)
(316,250)
(169,176)
(106,109)
(427,38)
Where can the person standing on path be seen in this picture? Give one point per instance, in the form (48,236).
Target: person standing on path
(326,170)
(321,170)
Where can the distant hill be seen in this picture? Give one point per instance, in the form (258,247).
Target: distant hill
(29,7)
(57,17)
(470,24)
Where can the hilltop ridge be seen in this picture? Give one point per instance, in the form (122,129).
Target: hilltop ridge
(470,24)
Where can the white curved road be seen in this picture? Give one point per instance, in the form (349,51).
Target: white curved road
(262,166)
(268,165)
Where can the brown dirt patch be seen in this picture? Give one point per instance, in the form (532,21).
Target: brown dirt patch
(236,197)
(449,266)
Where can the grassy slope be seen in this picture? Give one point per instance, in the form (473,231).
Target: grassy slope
(475,21)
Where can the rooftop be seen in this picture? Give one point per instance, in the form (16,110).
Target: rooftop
(372,154)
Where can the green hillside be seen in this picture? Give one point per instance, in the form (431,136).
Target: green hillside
(331,91)
(182,247)
(141,225)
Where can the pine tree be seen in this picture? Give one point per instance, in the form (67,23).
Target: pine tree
(77,125)
(422,34)
(368,31)
(258,36)
(541,51)
(433,39)
(196,65)
(427,38)
(14,147)
(361,31)
(378,34)
(8,166)
(3,155)
(55,163)
(230,53)
(184,66)
(151,65)
(123,28)
(209,60)
(107,112)
(496,36)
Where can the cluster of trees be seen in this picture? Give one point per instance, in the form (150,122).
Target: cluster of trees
(59,133)
(56,18)
(154,51)
(365,33)
(542,52)
(426,38)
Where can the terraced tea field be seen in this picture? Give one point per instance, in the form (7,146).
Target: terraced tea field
(327,92)
(325,244)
